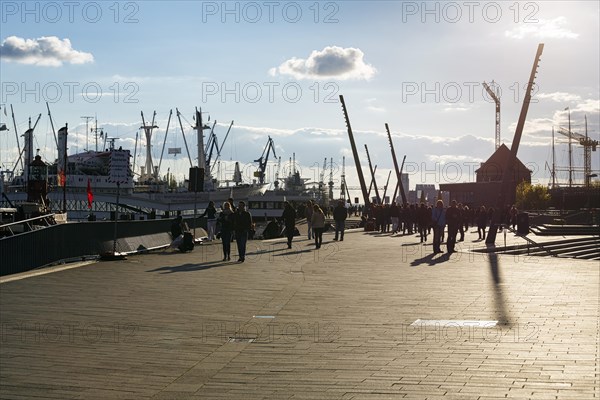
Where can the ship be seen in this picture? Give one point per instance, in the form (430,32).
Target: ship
(81,184)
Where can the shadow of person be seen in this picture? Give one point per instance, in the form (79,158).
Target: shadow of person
(190,267)
(499,299)
(430,259)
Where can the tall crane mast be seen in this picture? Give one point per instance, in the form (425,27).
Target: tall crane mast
(507,189)
(361,177)
(373,176)
(496,99)
(398,170)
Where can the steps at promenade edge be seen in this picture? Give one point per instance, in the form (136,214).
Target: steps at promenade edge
(583,248)
(580,248)
(565,230)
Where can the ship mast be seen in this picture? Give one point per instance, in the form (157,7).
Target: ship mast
(149,173)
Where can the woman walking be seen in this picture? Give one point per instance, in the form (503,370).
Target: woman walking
(318,225)
(482,218)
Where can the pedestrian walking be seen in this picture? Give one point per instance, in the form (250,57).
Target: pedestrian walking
(309,213)
(482,218)
(226,220)
(318,225)
(339,216)
(289,219)
(424,221)
(453,221)
(438,218)
(242,225)
(211,219)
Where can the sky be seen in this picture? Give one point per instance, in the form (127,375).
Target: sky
(277,68)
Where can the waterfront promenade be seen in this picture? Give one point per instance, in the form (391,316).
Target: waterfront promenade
(372,317)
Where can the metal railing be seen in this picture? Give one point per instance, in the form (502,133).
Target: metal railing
(26,225)
(530,242)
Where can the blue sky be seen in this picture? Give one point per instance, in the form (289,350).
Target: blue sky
(417,66)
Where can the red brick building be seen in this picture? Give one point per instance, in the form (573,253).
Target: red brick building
(488,180)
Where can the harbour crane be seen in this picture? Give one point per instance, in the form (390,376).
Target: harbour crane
(262,161)
(322,176)
(494,96)
(588,144)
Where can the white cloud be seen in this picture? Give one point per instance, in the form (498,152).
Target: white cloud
(46,51)
(331,62)
(456,107)
(559,97)
(542,29)
(371,106)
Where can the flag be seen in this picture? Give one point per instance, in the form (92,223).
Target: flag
(90,195)
(62,178)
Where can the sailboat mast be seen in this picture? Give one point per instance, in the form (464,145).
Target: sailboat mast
(553,161)
(199,129)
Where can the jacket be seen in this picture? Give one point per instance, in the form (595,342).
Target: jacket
(340,213)
(318,220)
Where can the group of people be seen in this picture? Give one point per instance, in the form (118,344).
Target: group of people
(421,219)
(315,219)
(235,222)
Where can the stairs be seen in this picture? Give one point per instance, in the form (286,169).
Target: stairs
(566,230)
(586,248)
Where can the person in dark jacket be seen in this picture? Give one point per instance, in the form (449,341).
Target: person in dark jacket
(242,225)
(226,220)
(211,219)
(339,216)
(423,221)
(438,218)
(289,219)
(453,221)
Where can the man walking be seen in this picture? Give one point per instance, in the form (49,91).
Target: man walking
(243,224)
(339,216)
(438,219)
(453,221)
(289,219)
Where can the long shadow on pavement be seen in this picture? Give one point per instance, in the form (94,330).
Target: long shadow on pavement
(431,259)
(191,267)
(499,299)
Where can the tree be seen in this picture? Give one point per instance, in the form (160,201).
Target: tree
(532,197)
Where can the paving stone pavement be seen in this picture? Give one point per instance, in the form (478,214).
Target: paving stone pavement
(306,324)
